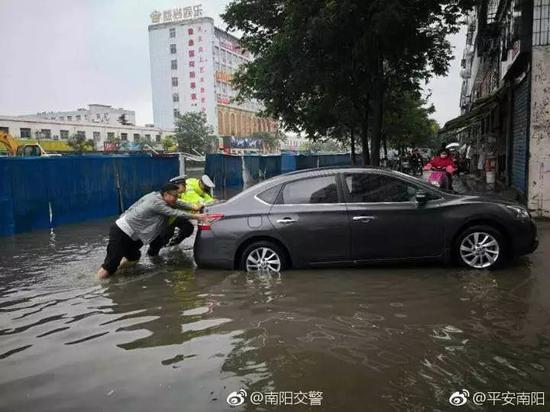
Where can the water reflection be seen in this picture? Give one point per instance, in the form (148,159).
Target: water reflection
(166,335)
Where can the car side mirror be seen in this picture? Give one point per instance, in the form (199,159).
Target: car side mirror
(421,197)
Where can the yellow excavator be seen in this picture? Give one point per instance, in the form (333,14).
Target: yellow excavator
(15,149)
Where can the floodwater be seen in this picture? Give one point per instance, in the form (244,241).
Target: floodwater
(167,336)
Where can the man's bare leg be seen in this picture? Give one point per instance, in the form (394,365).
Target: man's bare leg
(102,273)
(124,263)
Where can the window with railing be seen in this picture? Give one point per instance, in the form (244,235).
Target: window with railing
(541,22)
(492,9)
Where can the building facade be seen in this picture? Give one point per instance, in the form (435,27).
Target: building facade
(95,113)
(505,96)
(192,65)
(101,134)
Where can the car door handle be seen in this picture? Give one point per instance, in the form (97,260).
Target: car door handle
(286,221)
(363,219)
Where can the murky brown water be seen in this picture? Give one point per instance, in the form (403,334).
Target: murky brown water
(166,336)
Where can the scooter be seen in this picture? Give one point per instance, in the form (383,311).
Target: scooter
(438,176)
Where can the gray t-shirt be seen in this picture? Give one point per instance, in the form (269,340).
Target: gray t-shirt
(146,218)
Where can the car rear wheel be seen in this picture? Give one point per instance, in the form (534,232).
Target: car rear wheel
(263,257)
(481,247)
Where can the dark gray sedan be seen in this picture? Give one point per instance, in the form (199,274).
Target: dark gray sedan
(346,216)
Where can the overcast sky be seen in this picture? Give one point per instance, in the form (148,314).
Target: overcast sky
(59,55)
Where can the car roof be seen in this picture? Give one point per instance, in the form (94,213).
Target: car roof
(335,169)
(295,175)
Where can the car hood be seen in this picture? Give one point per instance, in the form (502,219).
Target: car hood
(490,199)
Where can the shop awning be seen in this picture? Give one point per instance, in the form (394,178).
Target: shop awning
(480,109)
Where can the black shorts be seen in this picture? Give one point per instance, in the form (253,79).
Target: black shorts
(120,246)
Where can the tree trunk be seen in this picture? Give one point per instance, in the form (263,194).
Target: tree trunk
(365,140)
(378,107)
(377,124)
(385,143)
(352,136)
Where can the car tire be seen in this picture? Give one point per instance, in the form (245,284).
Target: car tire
(269,257)
(481,247)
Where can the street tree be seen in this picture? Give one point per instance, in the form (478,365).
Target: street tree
(79,143)
(325,145)
(192,132)
(169,143)
(122,120)
(113,142)
(320,62)
(270,141)
(144,142)
(407,121)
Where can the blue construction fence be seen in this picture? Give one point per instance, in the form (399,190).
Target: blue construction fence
(44,192)
(232,174)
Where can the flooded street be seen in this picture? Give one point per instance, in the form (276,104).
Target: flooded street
(168,336)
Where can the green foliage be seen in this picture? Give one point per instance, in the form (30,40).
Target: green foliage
(407,120)
(169,144)
(270,141)
(122,120)
(325,146)
(325,65)
(144,142)
(79,144)
(192,132)
(114,140)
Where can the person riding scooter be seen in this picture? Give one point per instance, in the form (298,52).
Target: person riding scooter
(445,163)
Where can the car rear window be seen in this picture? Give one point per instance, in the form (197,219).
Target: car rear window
(313,190)
(270,195)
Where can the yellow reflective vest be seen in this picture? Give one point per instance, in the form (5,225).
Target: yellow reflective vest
(194,194)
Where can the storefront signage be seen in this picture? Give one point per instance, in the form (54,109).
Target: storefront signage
(179,14)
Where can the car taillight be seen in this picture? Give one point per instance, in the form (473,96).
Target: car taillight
(211,219)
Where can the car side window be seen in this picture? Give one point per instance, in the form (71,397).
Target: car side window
(270,195)
(320,189)
(375,188)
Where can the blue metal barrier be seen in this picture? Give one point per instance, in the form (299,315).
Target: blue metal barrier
(270,166)
(334,160)
(234,172)
(306,162)
(251,170)
(39,193)
(288,163)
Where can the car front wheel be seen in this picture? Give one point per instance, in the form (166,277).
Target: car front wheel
(480,247)
(263,257)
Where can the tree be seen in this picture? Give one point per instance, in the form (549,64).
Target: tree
(113,142)
(122,120)
(326,64)
(325,145)
(192,132)
(169,144)
(144,142)
(79,143)
(270,141)
(407,120)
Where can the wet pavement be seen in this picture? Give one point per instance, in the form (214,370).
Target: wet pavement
(167,336)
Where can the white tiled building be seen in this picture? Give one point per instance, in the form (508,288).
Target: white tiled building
(95,113)
(192,64)
(29,128)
